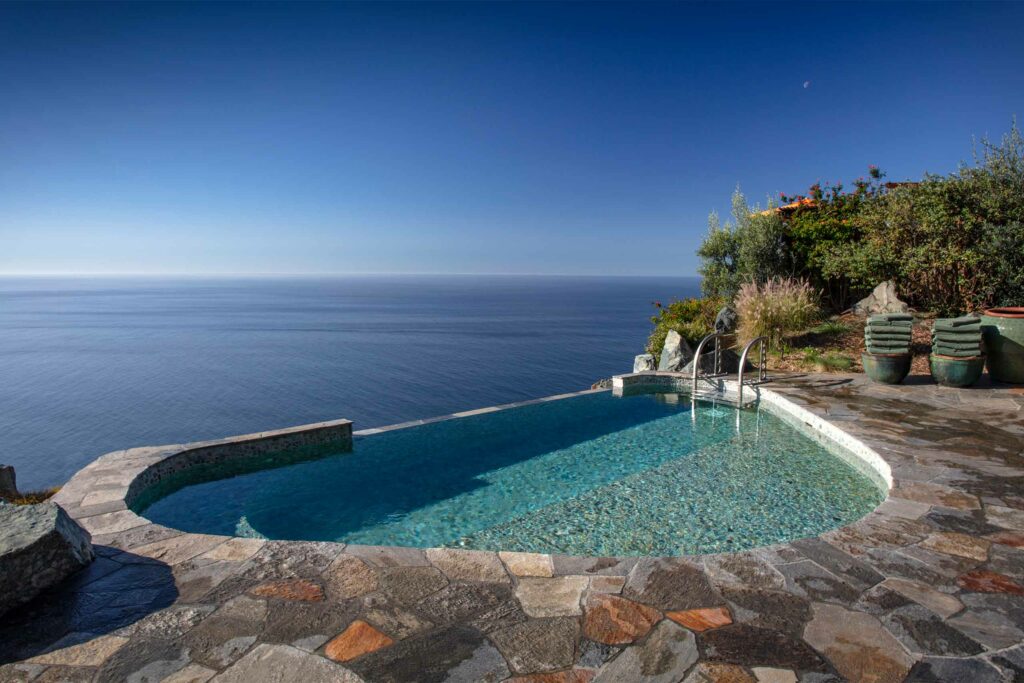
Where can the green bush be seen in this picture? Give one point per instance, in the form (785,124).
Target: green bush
(951,243)
(750,249)
(774,309)
(693,319)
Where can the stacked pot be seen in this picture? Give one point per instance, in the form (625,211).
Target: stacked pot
(957,359)
(887,337)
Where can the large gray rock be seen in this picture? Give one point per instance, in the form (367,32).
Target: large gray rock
(8,485)
(40,545)
(725,321)
(675,354)
(882,300)
(644,363)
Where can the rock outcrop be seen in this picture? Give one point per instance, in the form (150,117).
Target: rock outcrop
(725,321)
(8,484)
(675,354)
(645,362)
(882,300)
(40,546)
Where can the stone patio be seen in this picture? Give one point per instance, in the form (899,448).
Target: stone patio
(929,587)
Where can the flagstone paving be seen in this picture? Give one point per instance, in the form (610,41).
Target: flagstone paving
(929,587)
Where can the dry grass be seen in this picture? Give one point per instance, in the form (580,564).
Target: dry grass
(33,497)
(775,309)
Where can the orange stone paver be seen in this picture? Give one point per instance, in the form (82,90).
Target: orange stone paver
(701,619)
(290,589)
(982,581)
(571,676)
(612,620)
(355,641)
(1010,538)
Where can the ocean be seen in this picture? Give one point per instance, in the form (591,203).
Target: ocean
(91,365)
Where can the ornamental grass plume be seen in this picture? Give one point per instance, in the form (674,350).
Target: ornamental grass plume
(775,308)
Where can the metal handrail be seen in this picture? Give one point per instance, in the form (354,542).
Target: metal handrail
(716,367)
(761,375)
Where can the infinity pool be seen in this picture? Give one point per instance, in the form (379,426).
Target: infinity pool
(594,474)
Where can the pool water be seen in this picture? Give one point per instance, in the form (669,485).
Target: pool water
(594,474)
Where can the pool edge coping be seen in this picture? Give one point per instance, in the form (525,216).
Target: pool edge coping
(100,495)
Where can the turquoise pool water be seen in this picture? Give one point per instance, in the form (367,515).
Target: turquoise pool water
(589,475)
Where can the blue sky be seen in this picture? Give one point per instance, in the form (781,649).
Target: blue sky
(463,138)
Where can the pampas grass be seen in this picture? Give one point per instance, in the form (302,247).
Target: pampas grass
(774,309)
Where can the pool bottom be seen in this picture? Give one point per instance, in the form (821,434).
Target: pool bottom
(648,476)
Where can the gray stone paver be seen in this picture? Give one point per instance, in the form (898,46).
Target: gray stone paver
(929,586)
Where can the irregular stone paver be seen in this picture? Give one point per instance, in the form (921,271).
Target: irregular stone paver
(921,631)
(554,597)
(281,664)
(357,640)
(290,589)
(663,657)
(538,645)
(528,564)
(937,568)
(937,670)
(193,673)
(982,581)
(81,650)
(468,565)
(670,584)
(715,672)
(953,543)
(615,621)
(768,675)
(485,664)
(701,619)
(857,645)
(749,645)
(426,656)
(349,577)
(943,604)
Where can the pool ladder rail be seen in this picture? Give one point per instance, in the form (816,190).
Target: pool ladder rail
(716,367)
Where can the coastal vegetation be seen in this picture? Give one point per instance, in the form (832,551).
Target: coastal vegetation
(951,244)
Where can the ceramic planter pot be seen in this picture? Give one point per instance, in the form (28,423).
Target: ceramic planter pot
(1003,332)
(887,368)
(956,372)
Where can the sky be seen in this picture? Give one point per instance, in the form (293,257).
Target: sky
(464,138)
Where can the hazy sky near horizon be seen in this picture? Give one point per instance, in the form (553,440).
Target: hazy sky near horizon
(463,138)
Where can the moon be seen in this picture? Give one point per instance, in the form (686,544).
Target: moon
(807,84)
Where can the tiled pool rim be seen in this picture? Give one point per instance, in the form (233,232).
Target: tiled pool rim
(101,495)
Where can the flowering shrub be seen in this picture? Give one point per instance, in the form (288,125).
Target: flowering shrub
(774,309)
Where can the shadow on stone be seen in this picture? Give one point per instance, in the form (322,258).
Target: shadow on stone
(115,591)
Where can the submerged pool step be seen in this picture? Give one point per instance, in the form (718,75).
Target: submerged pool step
(722,390)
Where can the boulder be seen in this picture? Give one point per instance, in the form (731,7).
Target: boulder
(645,362)
(725,321)
(8,485)
(675,354)
(40,546)
(882,300)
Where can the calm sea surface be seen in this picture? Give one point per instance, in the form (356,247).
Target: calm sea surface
(90,365)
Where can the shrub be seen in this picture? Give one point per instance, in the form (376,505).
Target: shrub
(693,319)
(774,309)
(751,248)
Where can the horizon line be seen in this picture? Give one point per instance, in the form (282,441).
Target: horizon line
(86,274)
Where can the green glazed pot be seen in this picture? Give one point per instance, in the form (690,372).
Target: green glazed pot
(1003,332)
(956,372)
(888,368)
